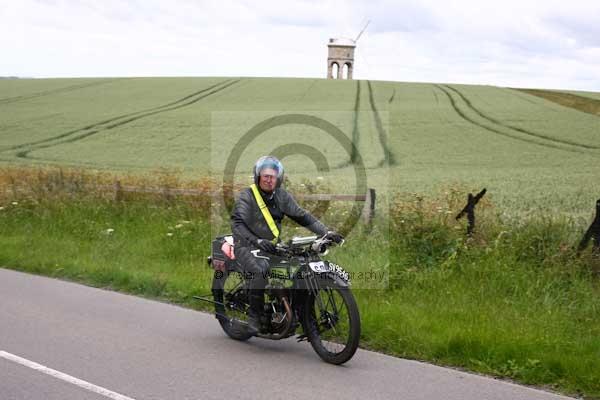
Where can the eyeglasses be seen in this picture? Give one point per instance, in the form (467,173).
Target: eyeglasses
(267,176)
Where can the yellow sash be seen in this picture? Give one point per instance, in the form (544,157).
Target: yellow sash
(265,212)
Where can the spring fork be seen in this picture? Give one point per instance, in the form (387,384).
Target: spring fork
(314,289)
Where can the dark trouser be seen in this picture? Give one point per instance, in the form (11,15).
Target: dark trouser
(255,272)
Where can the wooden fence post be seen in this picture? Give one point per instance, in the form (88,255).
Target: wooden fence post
(369,207)
(593,232)
(469,210)
(166,193)
(118,191)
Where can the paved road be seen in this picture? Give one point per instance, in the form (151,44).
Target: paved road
(149,350)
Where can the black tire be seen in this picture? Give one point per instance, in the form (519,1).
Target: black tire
(319,333)
(233,320)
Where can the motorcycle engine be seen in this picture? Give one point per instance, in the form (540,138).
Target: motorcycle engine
(279,316)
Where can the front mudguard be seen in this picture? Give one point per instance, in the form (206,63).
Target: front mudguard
(320,280)
(331,279)
(329,274)
(336,275)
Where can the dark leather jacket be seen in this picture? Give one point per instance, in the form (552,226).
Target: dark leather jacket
(248,224)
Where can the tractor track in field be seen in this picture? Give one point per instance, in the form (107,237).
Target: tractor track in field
(518,129)
(110,120)
(8,100)
(388,157)
(392,96)
(496,131)
(107,121)
(299,99)
(437,99)
(93,129)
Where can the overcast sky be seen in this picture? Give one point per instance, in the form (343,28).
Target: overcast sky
(517,43)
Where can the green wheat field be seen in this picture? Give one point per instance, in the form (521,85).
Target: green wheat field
(530,153)
(516,300)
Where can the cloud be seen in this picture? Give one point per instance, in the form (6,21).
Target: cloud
(583,31)
(400,16)
(508,43)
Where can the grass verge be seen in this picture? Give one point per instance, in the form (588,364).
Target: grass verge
(513,301)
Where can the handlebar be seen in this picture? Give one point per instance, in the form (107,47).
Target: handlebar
(319,246)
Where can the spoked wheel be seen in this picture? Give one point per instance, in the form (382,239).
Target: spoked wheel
(333,324)
(228,289)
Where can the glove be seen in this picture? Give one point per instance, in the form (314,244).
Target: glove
(266,246)
(335,237)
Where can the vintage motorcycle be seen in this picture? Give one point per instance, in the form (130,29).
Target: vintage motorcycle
(303,291)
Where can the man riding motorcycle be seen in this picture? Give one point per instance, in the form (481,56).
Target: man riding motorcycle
(256,224)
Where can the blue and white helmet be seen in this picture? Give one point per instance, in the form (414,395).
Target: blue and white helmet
(268,162)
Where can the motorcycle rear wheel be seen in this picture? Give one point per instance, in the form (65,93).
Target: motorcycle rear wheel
(231,306)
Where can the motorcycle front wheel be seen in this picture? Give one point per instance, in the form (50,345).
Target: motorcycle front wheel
(332,321)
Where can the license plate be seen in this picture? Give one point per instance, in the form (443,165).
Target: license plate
(318,266)
(321,266)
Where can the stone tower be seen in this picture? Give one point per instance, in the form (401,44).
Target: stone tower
(341,53)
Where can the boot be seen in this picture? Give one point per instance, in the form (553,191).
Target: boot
(257,303)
